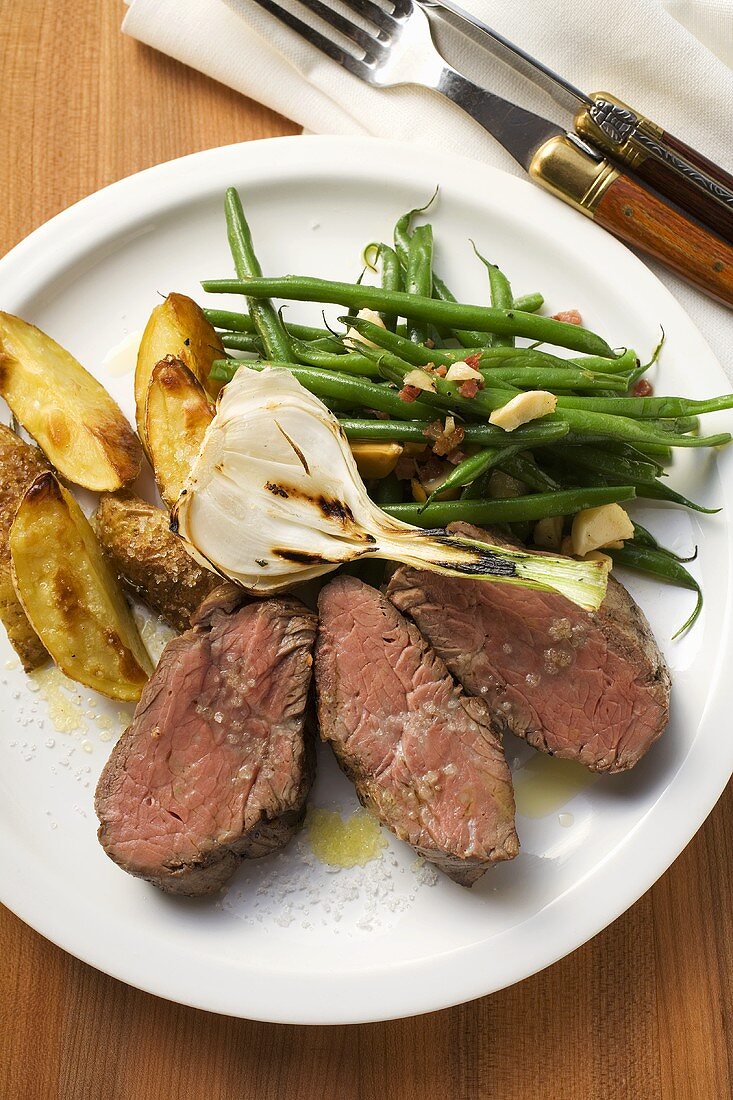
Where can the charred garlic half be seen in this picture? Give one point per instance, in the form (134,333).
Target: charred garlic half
(274,498)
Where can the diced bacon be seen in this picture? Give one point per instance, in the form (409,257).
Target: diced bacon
(441,371)
(569,316)
(473,361)
(643,388)
(406,468)
(468,389)
(409,394)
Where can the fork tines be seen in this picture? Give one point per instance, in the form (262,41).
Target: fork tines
(362,49)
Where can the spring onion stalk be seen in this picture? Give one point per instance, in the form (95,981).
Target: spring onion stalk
(274,498)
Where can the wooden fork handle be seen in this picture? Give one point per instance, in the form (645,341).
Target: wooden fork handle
(617,201)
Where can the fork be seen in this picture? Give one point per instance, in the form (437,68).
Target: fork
(399,49)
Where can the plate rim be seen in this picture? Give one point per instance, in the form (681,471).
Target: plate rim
(432,980)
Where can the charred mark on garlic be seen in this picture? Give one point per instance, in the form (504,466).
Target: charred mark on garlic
(300,557)
(335,509)
(277,490)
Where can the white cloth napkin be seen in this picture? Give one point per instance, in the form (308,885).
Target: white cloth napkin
(671,59)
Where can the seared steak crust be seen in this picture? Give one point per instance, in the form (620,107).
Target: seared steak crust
(420,752)
(215,767)
(592,687)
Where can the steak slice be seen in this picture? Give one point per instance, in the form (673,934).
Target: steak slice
(420,752)
(587,686)
(215,766)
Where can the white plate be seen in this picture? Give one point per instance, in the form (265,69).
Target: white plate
(290,941)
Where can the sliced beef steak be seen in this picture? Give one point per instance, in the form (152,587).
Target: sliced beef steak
(586,686)
(421,753)
(215,766)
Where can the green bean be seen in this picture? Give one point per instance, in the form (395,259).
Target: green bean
(536,434)
(642,368)
(645,489)
(351,363)
(360,392)
(680,425)
(419,275)
(478,488)
(524,468)
(472,468)
(504,322)
(507,510)
(391,278)
(657,490)
(243,341)
(623,364)
(648,407)
(550,378)
(389,490)
(529,303)
(642,537)
(627,470)
(266,318)
(659,564)
(242,322)
(501,295)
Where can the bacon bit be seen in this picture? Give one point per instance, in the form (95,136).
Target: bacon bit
(643,388)
(444,438)
(430,343)
(569,316)
(441,371)
(455,457)
(409,394)
(468,389)
(379,414)
(406,468)
(473,361)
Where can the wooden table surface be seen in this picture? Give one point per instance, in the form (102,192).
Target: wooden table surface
(642,1011)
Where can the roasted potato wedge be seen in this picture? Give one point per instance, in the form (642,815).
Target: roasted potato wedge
(69,413)
(71,596)
(177,415)
(149,560)
(20,465)
(176,327)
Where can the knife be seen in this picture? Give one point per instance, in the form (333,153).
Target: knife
(672,168)
(400,50)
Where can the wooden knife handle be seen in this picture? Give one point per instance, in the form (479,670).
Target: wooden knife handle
(631,212)
(697,160)
(621,204)
(682,190)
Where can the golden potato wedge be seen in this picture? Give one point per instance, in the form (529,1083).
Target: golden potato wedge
(71,596)
(20,465)
(176,417)
(149,560)
(69,413)
(176,327)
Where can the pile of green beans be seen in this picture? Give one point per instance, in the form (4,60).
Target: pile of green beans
(601,445)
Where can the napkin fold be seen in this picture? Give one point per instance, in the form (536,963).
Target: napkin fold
(671,59)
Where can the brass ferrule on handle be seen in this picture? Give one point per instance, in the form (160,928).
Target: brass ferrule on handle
(616,135)
(565,169)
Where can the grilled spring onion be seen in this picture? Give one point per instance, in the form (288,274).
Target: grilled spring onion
(275,498)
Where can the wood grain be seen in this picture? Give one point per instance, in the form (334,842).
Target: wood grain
(642,220)
(643,1012)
